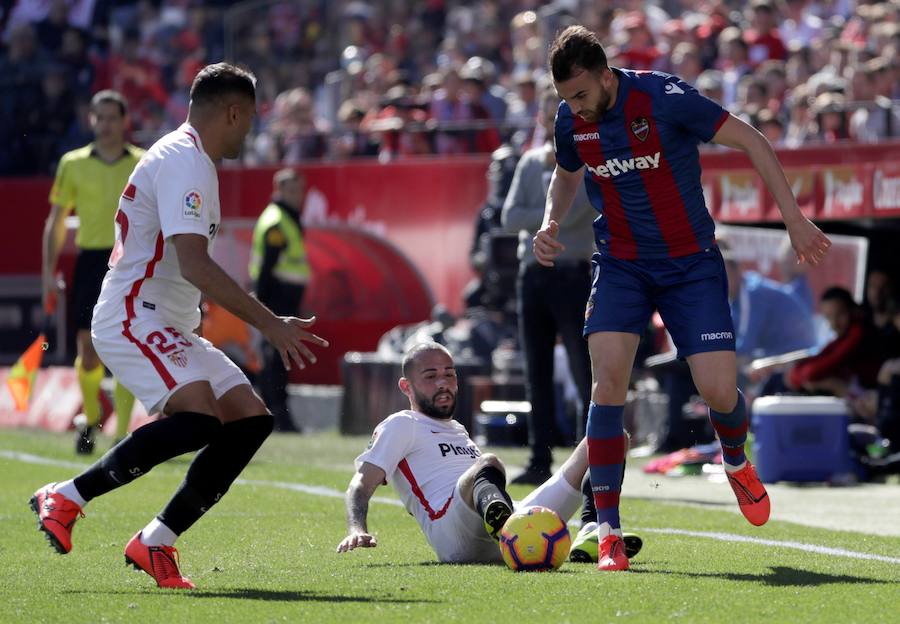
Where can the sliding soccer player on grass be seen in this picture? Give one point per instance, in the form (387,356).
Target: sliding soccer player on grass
(632,138)
(455,492)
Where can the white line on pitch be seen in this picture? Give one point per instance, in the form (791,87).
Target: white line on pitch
(318,490)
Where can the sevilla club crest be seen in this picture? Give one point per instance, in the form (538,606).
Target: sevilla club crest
(641,128)
(179,358)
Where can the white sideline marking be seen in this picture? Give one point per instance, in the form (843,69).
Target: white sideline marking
(318,490)
(813,548)
(28,458)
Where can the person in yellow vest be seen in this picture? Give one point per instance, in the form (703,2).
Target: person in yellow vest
(280,272)
(89,180)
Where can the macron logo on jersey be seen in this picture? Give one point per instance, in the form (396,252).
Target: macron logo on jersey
(616,166)
(586,136)
(673,89)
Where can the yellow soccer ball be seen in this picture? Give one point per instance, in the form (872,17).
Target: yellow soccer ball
(534,539)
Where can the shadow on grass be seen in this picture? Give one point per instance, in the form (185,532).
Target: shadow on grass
(267,595)
(688,501)
(778,576)
(438,564)
(297,596)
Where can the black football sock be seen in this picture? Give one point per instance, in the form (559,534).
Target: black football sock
(145,448)
(214,469)
(588,510)
(490,485)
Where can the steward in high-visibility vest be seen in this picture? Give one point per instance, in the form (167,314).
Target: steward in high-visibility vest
(280,270)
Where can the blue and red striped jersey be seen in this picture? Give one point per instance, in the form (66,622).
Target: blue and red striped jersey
(642,166)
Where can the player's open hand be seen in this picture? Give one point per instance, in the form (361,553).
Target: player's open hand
(288,334)
(357,539)
(545,245)
(808,241)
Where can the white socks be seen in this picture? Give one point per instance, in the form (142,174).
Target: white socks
(154,534)
(605,529)
(733,469)
(157,534)
(68,489)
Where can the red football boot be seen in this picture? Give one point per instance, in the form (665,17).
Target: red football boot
(56,517)
(751,494)
(160,562)
(611,554)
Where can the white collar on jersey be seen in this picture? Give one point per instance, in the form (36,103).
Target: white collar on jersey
(189,130)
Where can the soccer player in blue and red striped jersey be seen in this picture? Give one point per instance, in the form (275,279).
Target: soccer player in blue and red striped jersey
(632,138)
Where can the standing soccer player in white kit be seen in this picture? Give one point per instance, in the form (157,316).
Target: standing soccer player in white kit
(144,331)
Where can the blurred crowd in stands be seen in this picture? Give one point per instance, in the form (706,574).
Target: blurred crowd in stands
(396,78)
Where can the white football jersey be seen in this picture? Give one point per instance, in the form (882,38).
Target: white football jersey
(174,189)
(423,457)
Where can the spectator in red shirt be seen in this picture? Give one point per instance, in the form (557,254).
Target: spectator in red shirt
(763,37)
(639,51)
(137,78)
(853,355)
(832,118)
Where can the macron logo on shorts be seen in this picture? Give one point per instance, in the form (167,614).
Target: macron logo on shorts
(727,335)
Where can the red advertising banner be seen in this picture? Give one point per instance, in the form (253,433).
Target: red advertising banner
(886,189)
(740,196)
(426,207)
(843,192)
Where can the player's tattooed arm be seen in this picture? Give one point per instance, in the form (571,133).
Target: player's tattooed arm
(362,487)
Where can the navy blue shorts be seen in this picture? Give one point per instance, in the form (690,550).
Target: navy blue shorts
(691,294)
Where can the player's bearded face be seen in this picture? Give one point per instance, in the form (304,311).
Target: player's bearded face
(440,404)
(588,94)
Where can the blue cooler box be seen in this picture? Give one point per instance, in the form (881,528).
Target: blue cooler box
(799,438)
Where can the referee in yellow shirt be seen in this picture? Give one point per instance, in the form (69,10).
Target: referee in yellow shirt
(89,181)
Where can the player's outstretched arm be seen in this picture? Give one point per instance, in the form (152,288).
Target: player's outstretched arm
(359,492)
(563,187)
(809,243)
(286,333)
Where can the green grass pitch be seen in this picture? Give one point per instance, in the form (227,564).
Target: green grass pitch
(266,553)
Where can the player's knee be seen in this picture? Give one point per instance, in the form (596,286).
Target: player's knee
(720,399)
(489,459)
(253,430)
(606,390)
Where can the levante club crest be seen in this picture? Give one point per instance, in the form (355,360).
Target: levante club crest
(641,128)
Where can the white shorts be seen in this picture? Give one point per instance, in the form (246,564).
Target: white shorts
(459,535)
(153,360)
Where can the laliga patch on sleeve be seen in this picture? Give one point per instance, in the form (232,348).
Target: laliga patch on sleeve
(192,204)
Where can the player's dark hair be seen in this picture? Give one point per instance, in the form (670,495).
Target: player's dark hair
(410,357)
(836,293)
(214,82)
(575,48)
(108,96)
